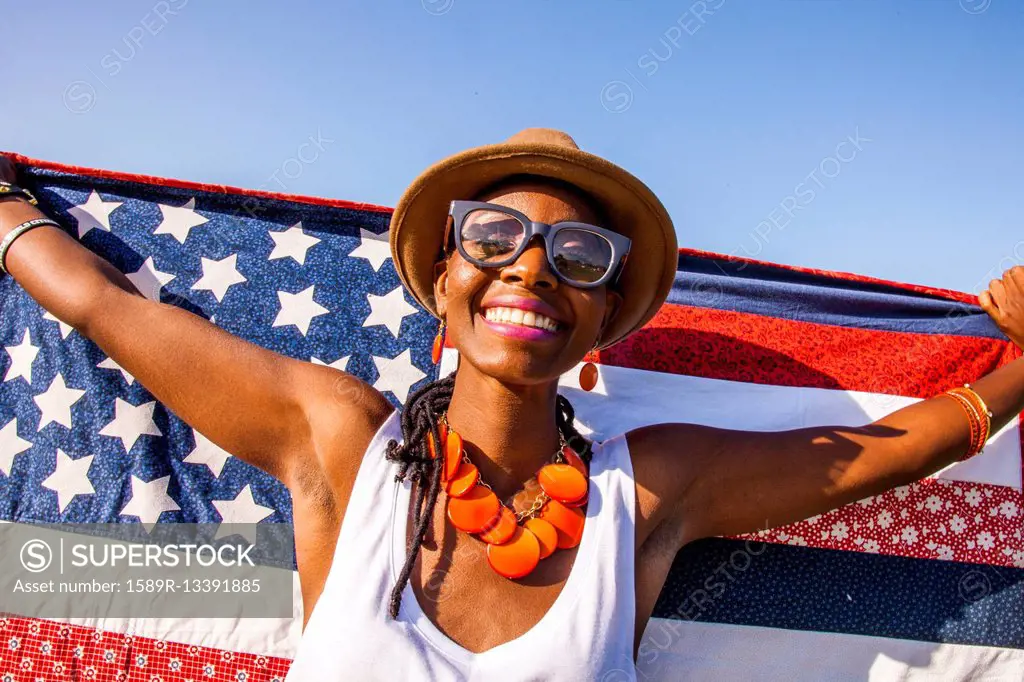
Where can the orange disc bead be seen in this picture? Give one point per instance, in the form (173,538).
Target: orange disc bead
(562,482)
(503,528)
(452,455)
(574,460)
(431,446)
(566,541)
(546,534)
(463,480)
(517,557)
(568,521)
(474,511)
(578,503)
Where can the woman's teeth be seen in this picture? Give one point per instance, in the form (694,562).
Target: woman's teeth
(524,318)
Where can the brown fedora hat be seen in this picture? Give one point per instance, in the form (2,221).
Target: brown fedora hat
(419,220)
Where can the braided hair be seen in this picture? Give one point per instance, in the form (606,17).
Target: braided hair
(419,418)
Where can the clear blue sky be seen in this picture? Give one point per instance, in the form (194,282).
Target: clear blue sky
(724,115)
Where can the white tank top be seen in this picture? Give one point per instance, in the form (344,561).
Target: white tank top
(587,634)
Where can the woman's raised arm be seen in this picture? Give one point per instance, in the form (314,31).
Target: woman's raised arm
(270,410)
(731,482)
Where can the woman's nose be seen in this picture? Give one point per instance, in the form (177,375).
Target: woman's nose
(531,269)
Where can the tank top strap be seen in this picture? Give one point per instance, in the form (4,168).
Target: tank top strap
(610,607)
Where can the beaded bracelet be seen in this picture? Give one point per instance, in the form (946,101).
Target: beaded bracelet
(9,238)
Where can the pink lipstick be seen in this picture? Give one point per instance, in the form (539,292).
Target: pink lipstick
(518,331)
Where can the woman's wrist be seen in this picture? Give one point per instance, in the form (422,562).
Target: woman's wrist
(14,211)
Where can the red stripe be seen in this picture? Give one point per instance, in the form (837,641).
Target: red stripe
(42,649)
(720,344)
(931,519)
(194,186)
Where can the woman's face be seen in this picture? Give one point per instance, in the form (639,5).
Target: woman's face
(487,309)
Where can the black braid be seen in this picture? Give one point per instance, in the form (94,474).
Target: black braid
(565,417)
(420,417)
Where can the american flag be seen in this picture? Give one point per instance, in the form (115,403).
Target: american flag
(922,582)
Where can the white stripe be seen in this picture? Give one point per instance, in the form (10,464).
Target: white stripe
(678,649)
(641,397)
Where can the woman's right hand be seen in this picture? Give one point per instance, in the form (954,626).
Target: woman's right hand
(7,171)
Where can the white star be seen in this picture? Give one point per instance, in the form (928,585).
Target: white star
(179,220)
(292,243)
(298,309)
(10,445)
(341,363)
(205,452)
(242,509)
(56,401)
(397,374)
(131,422)
(219,275)
(93,214)
(149,281)
(149,500)
(22,356)
(373,247)
(110,364)
(388,310)
(70,478)
(65,328)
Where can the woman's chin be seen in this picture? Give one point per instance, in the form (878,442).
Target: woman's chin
(516,366)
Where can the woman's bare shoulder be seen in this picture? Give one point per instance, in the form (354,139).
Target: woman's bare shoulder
(343,414)
(666,461)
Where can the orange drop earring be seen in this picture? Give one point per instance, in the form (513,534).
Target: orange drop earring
(435,354)
(588,376)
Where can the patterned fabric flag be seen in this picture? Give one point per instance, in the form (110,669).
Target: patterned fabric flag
(922,582)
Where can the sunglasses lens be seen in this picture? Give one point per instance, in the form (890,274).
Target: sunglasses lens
(581,256)
(491,235)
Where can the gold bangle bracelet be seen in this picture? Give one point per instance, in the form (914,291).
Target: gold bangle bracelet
(969,394)
(973,421)
(981,401)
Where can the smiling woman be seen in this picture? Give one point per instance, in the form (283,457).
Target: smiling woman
(476,534)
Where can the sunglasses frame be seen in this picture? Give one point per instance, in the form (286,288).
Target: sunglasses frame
(458,210)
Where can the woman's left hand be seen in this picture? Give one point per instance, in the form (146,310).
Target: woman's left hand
(1004,302)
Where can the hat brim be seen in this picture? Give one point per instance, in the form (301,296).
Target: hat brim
(419,220)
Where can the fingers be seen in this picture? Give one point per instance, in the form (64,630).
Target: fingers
(986,303)
(1013,280)
(1003,294)
(1004,303)
(997,291)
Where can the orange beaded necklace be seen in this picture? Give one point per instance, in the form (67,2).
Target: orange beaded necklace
(516,541)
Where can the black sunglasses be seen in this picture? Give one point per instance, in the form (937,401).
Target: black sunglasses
(492,236)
